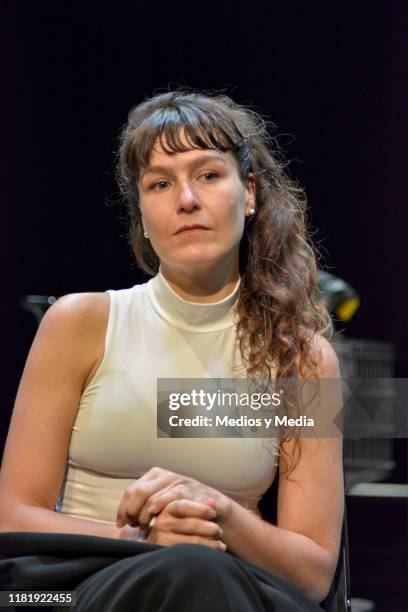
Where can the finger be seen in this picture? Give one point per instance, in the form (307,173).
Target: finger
(165,521)
(182,508)
(215,544)
(158,502)
(163,498)
(193,527)
(170,539)
(135,497)
(211,503)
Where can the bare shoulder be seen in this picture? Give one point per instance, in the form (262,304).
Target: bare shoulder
(79,309)
(324,356)
(77,316)
(75,327)
(328,366)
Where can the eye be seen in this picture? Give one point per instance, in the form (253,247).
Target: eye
(209,176)
(159,186)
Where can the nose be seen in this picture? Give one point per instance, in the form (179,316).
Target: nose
(187,199)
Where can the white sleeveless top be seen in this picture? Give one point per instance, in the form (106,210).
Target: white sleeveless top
(154,333)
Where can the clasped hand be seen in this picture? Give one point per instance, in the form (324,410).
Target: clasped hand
(185,509)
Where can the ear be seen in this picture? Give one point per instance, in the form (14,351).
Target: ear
(251,192)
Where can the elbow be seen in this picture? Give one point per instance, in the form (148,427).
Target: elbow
(5,524)
(319,592)
(15,516)
(4,511)
(6,519)
(322,580)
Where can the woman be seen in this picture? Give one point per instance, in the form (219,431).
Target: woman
(235,295)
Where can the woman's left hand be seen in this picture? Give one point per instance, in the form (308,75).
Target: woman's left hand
(158,487)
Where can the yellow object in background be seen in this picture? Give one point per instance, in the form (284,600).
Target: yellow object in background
(346,309)
(340,297)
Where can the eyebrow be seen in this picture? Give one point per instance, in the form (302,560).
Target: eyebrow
(199,161)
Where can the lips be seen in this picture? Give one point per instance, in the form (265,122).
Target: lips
(185,228)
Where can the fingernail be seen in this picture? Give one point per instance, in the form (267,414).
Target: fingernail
(222,546)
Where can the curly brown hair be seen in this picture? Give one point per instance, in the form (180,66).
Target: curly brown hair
(279,310)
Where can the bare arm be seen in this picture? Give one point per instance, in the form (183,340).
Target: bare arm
(64,356)
(304,545)
(62,359)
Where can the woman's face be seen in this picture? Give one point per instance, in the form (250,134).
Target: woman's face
(198,186)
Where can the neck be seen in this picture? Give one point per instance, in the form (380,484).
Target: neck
(194,316)
(201,286)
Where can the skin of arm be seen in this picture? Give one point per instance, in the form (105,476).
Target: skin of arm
(65,354)
(303,547)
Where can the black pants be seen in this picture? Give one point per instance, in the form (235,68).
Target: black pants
(117,575)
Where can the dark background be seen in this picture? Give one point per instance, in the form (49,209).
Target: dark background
(332,77)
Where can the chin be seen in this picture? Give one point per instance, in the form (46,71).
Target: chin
(192,261)
(200,256)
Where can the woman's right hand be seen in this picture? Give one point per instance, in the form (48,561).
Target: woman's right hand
(188,522)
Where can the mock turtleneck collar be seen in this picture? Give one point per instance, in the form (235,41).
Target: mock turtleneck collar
(192,316)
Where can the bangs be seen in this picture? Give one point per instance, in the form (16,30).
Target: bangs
(181,128)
